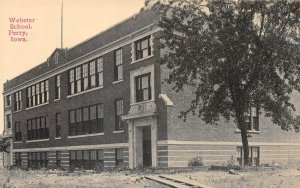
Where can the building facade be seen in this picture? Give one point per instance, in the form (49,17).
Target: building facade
(105,103)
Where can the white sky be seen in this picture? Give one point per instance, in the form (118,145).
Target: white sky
(82,19)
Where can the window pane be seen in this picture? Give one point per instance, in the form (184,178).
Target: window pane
(29,92)
(146,95)
(85,114)
(119,153)
(85,70)
(78,84)
(46,85)
(118,57)
(120,72)
(86,154)
(72,116)
(100,154)
(145,53)
(78,73)
(92,68)
(71,75)
(144,44)
(85,83)
(47,121)
(100,111)
(93,81)
(58,80)
(72,155)
(100,64)
(93,112)
(145,81)
(254,111)
(100,79)
(78,115)
(33,90)
(79,155)
(93,155)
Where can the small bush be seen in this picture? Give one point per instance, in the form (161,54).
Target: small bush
(196,161)
(230,162)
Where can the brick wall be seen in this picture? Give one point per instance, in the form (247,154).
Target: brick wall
(196,129)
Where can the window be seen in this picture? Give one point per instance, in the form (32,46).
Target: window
(78,79)
(18,157)
(119,157)
(86,76)
(58,124)
(37,160)
(142,48)
(71,82)
(87,159)
(143,87)
(58,158)
(18,104)
(57,86)
(252,118)
(118,69)
(253,156)
(118,114)
(100,71)
(86,120)
(56,57)
(18,132)
(8,121)
(93,74)
(8,100)
(38,128)
(38,94)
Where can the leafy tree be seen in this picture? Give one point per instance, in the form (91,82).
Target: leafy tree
(235,54)
(4,146)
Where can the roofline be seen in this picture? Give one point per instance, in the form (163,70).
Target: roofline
(34,67)
(154,29)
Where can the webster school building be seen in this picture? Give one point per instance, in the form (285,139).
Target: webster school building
(105,103)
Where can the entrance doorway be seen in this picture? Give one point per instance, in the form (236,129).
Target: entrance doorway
(147,153)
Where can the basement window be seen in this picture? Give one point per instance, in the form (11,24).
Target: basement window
(119,157)
(254,154)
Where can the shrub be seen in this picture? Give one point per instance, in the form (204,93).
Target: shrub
(230,162)
(196,161)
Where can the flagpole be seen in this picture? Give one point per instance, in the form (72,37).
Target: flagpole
(61,23)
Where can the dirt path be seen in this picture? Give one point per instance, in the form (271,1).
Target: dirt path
(253,177)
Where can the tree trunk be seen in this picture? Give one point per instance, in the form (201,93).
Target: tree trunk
(245,145)
(241,124)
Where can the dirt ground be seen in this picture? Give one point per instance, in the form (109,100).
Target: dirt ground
(248,177)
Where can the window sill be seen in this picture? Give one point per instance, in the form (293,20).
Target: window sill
(143,102)
(118,81)
(135,61)
(86,135)
(120,131)
(249,131)
(86,91)
(56,99)
(57,138)
(7,106)
(18,142)
(40,140)
(17,111)
(37,106)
